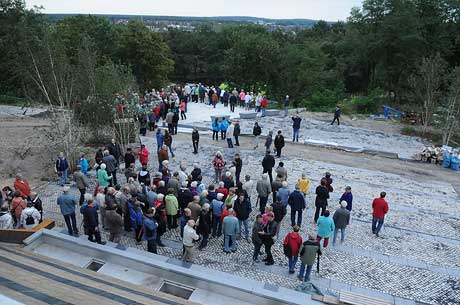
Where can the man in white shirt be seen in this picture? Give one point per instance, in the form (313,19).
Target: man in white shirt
(229,134)
(189,236)
(247,101)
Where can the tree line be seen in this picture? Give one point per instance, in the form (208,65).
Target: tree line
(404,53)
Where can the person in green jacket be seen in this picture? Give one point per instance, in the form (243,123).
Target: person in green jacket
(172,205)
(102,177)
(325,228)
(310,249)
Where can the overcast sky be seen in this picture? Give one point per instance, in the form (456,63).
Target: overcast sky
(330,10)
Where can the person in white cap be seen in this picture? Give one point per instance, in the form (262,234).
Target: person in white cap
(341,220)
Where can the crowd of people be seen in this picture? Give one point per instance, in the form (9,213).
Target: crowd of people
(151,200)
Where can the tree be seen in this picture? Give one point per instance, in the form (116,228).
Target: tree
(426,86)
(452,107)
(147,54)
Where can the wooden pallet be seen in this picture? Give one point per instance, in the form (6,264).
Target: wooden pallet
(351,298)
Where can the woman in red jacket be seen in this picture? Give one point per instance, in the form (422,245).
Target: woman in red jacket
(143,155)
(291,245)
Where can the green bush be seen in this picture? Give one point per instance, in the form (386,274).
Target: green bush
(364,103)
(324,100)
(12,100)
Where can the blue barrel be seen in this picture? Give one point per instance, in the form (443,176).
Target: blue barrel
(454,163)
(446,161)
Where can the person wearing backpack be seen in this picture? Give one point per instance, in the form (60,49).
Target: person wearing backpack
(291,246)
(310,250)
(30,216)
(150,230)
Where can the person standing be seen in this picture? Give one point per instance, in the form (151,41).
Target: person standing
(160,139)
(215,129)
(267,235)
(229,134)
(183,116)
(111,167)
(167,140)
(223,128)
(218,163)
(325,228)
(18,204)
(341,221)
(337,114)
(256,132)
(61,166)
(172,208)
(204,225)
(281,171)
(102,177)
(279,143)
(162,156)
(283,193)
(67,205)
(268,141)
(150,230)
(175,121)
(129,158)
(291,245)
(195,140)
(304,184)
(327,177)
(264,105)
(268,163)
(322,195)
(21,185)
(91,221)
(217,209)
(83,162)
(30,217)
(296,127)
(297,203)
(81,182)
(114,223)
(379,210)
(242,208)
(258,226)
(347,196)
(287,102)
(310,250)
(115,150)
(230,229)
(263,189)
(233,100)
(247,101)
(236,132)
(238,164)
(189,236)
(143,154)
(135,214)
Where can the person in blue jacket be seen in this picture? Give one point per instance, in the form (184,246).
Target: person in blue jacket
(223,128)
(83,162)
(215,129)
(160,139)
(150,230)
(296,201)
(348,198)
(135,214)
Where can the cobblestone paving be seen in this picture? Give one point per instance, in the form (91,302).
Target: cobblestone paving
(344,135)
(423,284)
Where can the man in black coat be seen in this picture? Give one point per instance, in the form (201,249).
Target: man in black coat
(129,157)
(242,208)
(279,143)
(90,219)
(204,226)
(238,164)
(322,195)
(297,202)
(184,197)
(115,150)
(337,113)
(295,128)
(268,163)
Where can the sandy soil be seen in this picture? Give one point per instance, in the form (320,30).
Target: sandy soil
(23,149)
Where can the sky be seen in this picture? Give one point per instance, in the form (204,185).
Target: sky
(330,10)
